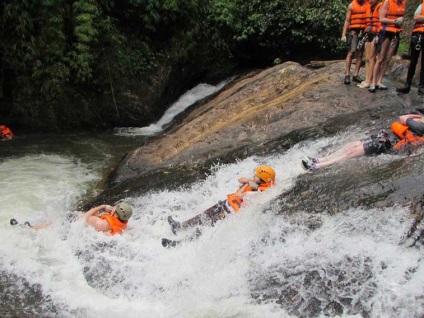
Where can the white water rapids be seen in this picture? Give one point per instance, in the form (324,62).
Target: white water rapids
(87,274)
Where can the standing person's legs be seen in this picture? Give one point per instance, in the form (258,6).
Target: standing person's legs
(392,46)
(378,63)
(371,59)
(412,67)
(358,63)
(369,63)
(347,67)
(352,42)
(421,83)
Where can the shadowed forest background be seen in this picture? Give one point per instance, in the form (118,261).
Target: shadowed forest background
(68,64)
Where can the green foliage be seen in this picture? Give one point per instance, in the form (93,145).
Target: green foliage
(279,26)
(49,44)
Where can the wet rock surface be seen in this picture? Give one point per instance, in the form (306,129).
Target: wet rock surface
(268,112)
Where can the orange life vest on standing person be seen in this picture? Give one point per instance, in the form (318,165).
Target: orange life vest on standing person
(405,135)
(419,26)
(393,12)
(116,226)
(6,131)
(358,16)
(373,18)
(235,202)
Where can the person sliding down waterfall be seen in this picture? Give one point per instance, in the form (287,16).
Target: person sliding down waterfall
(409,131)
(263,178)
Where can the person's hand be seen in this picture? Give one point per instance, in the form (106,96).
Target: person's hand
(253,185)
(343,38)
(399,21)
(108,208)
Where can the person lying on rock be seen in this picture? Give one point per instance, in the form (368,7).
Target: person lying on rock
(109,219)
(408,132)
(263,178)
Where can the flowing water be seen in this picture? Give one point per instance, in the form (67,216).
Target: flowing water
(258,263)
(186,100)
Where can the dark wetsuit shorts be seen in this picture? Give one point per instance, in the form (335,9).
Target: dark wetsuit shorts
(374,146)
(416,126)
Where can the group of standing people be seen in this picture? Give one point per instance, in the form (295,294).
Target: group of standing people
(376,27)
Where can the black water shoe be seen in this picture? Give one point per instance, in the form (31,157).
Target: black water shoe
(175,225)
(357,79)
(169,243)
(308,166)
(420,90)
(347,79)
(404,90)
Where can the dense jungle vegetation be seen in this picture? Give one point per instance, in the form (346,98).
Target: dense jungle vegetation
(54,48)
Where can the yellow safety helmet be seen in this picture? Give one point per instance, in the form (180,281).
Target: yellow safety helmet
(124,211)
(265,173)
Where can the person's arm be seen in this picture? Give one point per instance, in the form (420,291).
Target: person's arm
(92,218)
(243,180)
(347,21)
(383,13)
(404,118)
(241,191)
(417,15)
(251,182)
(41,226)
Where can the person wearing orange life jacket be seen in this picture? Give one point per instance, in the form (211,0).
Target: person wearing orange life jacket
(372,146)
(417,46)
(371,35)
(409,131)
(108,219)
(355,23)
(391,19)
(263,178)
(6,133)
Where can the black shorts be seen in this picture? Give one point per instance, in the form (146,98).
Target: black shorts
(371,37)
(416,126)
(374,146)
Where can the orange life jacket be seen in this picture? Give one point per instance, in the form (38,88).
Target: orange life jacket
(116,226)
(235,202)
(405,135)
(419,26)
(6,131)
(358,16)
(393,12)
(373,18)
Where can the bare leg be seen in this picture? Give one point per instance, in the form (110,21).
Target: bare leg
(358,62)
(379,61)
(348,63)
(369,61)
(350,150)
(389,48)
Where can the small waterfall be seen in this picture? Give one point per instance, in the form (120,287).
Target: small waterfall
(186,100)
